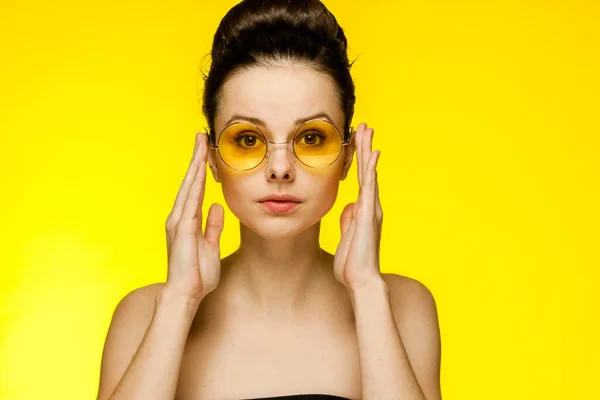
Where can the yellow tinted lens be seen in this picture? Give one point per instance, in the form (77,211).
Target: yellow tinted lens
(242,146)
(317,144)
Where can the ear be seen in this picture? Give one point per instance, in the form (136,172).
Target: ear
(212,161)
(348,155)
(349,150)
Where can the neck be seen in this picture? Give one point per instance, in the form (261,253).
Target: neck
(277,276)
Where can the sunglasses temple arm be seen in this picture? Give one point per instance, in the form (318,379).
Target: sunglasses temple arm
(210,142)
(347,141)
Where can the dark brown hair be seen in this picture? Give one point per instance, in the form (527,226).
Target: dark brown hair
(266,32)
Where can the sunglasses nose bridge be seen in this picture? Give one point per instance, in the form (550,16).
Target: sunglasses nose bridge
(271,146)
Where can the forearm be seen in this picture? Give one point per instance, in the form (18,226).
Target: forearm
(385,369)
(154,370)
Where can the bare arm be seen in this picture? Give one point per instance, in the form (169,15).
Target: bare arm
(146,339)
(396,317)
(398,340)
(158,318)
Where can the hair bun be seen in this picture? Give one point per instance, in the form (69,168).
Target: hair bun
(265,18)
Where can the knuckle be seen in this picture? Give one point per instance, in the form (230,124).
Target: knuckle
(189,227)
(170,225)
(180,228)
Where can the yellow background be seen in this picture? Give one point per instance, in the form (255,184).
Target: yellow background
(487,114)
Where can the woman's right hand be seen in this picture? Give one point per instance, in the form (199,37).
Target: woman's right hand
(194,257)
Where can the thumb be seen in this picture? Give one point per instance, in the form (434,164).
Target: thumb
(346,217)
(214,224)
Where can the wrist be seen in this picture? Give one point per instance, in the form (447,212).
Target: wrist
(174,299)
(370,284)
(368,290)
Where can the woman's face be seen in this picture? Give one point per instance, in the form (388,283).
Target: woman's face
(279,96)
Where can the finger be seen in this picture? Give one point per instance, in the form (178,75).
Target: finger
(202,178)
(367,149)
(191,217)
(365,153)
(358,138)
(185,185)
(346,217)
(378,209)
(214,225)
(369,186)
(379,214)
(376,202)
(345,241)
(343,246)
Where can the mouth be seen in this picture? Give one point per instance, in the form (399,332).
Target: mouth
(280,202)
(278,206)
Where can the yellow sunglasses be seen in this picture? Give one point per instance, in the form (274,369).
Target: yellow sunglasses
(316,143)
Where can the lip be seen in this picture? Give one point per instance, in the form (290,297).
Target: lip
(279,206)
(283,197)
(280,202)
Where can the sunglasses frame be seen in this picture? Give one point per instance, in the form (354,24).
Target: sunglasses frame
(345,142)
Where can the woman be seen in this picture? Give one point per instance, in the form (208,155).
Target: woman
(280,317)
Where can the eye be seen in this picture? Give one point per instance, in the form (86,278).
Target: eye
(247,140)
(311,138)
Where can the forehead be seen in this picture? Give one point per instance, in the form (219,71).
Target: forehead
(279,96)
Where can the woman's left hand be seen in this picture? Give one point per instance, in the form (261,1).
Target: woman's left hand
(356,261)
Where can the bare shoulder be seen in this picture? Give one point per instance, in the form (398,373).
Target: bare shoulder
(416,316)
(412,302)
(140,296)
(130,321)
(134,311)
(408,292)
(136,307)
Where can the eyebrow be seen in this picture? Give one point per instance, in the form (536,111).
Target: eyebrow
(260,122)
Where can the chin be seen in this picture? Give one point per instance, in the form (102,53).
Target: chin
(272,226)
(278,226)
(279,230)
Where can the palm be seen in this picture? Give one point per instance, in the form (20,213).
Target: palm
(194,265)
(357,255)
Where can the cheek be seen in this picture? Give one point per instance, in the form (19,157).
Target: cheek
(323,189)
(236,191)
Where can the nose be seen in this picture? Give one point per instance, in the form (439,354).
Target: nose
(280,163)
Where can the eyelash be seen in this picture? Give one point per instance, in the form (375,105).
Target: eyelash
(320,136)
(240,137)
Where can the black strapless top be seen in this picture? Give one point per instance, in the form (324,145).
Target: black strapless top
(302,397)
